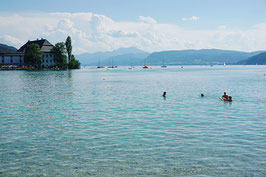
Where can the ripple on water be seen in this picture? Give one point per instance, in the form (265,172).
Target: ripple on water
(75,123)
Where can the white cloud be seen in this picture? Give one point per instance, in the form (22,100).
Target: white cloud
(193,18)
(147,20)
(92,33)
(10,40)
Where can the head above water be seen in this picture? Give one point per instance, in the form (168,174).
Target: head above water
(164,93)
(224,93)
(202,94)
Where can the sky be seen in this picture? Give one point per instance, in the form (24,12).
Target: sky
(150,25)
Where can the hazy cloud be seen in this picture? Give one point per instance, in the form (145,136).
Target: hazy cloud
(147,20)
(92,33)
(193,18)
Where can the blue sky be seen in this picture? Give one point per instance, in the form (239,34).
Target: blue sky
(224,19)
(238,13)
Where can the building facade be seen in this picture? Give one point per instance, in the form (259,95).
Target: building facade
(17,58)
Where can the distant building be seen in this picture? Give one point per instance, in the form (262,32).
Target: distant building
(17,58)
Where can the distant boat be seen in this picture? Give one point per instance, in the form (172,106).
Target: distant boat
(99,65)
(145,67)
(163,65)
(224,64)
(112,65)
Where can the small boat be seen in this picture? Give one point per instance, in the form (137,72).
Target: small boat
(145,67)
(163,65)
(112,64)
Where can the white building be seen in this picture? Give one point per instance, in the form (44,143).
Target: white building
(17,58)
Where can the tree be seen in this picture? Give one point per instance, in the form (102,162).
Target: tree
(68,48)
(73,63)
(59,52)
(33,55)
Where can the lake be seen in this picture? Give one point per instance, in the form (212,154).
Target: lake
(99,122)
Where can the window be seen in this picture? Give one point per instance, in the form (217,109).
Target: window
(51,61)
(20,60)
(50,55)
(46,55)
(11,61)
(46,61)
(3,61)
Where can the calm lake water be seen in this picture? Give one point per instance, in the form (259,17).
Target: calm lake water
(98,122)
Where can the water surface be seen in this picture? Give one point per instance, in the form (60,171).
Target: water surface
(98,122)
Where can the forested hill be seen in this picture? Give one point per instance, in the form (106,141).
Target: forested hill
(195,57)
(259,59)
(6,49)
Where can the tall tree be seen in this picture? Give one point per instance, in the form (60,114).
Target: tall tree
(33,55)
(59,52)
(68,47)
(73,63)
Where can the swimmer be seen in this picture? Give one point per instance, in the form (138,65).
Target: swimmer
(164,94)
(225,96)
(202,95)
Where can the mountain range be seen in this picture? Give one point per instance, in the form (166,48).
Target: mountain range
(6,49)
(198,57)
(134,56)
(122,56)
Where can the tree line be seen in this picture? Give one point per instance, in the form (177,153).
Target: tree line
(62,52)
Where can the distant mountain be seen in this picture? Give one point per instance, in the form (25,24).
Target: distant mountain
(134,56)
(6,49)
(259,59)
(195,57)
(122,56)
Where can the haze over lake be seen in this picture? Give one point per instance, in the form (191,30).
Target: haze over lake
(98,122)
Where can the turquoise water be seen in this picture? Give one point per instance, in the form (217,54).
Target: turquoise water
(98,122)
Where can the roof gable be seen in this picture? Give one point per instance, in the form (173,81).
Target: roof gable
(45,45)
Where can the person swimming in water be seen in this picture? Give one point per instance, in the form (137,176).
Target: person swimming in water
(229,99)
(225,97)
(202,95)
(164,94)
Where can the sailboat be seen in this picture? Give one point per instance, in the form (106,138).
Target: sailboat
(99,65)
(145,67)
(163,66)
(112,66)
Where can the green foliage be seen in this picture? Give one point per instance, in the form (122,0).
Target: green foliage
(59,52)
(68,47)
(73,63)
(33,55)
